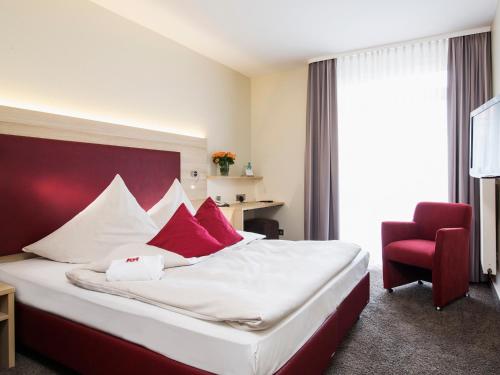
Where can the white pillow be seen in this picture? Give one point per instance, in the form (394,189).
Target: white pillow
(112,219)
(249,237)
(170,259)
(162,211)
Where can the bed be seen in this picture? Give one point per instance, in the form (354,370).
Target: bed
(93,332)
(215,347)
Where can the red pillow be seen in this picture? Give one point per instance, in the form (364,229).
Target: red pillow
(185,236)
(213,220)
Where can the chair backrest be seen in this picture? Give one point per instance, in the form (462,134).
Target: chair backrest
(431,216)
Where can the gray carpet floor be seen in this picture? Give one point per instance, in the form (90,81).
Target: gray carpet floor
(398,333)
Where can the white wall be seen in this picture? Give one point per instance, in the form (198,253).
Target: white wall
(278,114)
(495,33)
(76,58)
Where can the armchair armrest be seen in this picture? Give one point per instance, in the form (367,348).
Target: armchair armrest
(398,231)
(452,248)
(450,270)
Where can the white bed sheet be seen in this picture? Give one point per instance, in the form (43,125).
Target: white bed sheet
(211,346)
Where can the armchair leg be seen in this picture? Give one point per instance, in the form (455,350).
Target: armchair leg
(390,290)
(438,308)
(467,294)
(420,282)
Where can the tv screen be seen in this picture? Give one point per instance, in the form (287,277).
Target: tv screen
(484,148)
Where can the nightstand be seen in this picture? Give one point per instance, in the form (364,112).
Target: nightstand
(7,341)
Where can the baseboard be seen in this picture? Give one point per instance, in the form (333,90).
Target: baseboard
(496,286)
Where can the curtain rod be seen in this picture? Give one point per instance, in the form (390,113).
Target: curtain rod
(398,44)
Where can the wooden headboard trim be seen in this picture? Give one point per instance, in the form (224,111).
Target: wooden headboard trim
(193,150)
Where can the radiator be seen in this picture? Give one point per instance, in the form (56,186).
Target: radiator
(488,218)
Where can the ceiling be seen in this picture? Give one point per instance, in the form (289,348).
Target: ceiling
(255,37)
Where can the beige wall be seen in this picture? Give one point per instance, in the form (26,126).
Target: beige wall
(278,118)
(76,58)
(495,34)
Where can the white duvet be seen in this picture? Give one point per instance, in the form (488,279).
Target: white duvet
(251,287)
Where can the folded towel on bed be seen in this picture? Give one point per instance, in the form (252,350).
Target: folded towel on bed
(136,268)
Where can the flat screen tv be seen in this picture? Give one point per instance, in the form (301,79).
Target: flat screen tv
(484,146)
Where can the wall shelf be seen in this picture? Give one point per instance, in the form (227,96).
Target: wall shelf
(235,178)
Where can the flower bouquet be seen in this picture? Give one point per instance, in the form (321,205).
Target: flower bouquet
(223,159)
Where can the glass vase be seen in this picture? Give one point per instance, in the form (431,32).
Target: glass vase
(224,168)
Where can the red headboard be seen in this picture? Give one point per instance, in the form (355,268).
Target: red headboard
(44,183)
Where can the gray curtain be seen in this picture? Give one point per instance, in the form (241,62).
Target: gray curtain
(469,86)
(321,161)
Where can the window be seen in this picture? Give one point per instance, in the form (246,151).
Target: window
(392,137)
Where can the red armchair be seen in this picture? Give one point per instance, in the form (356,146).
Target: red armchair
(433,247)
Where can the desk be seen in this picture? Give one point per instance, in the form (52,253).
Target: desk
(235,213)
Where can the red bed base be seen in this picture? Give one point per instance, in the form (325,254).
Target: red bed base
(90,351)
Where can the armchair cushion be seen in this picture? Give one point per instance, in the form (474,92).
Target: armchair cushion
(418,253)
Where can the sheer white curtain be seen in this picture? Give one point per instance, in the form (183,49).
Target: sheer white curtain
(392,137)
